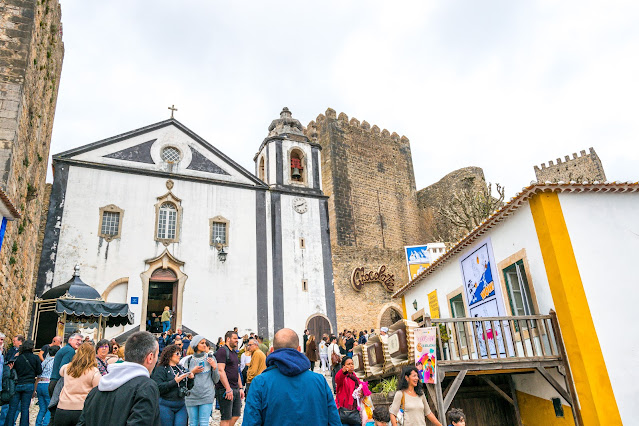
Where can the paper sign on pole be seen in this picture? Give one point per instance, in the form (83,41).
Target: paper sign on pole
(425,353)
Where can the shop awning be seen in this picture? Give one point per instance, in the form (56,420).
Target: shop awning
(116,314)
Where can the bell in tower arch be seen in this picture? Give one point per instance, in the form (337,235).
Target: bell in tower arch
(295,174)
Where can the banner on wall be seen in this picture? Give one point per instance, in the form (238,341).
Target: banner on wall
(425,353)
(483,294)
(433,304)
(417,260)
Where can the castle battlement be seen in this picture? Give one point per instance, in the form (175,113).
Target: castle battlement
(330,114)
(585,166)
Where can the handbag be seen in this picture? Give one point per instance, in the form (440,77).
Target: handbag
(400,413)
(335,359)
(349,417)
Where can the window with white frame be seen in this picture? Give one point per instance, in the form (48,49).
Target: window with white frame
(518,290)
(167,221)
(110,224)
(457,310)
(218,233)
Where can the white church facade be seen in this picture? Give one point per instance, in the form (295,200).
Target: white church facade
(159,217)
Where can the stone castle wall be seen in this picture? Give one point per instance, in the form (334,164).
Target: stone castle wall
(373,213)
(31,61)
(429,200)
(585,167)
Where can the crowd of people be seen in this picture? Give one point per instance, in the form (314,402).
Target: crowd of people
(82,383)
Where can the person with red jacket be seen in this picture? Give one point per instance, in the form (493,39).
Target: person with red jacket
(346,381)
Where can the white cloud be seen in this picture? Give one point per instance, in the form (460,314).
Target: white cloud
(500,85)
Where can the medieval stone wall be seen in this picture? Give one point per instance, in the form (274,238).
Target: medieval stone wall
(430,199)
(31,55)
(585,167)
(373,213)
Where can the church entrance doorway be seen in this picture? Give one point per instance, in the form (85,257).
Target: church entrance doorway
(163,287)
(318,325)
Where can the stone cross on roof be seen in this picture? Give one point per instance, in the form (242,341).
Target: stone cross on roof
(173,109)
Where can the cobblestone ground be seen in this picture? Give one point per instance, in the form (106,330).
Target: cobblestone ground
(215,420)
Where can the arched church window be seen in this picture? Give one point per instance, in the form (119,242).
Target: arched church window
(167,221)
(297,166)
(168,216)
(261,171)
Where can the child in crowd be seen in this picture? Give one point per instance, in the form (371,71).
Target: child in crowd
(456,417)
(381,416)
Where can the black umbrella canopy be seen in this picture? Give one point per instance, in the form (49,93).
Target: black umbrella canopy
(75,288)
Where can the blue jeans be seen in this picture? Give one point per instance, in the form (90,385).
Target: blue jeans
(21,398)
(172,413)
(165,326)
(199,414)
(43,402)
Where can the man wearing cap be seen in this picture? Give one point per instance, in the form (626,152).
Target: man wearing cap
(383,334)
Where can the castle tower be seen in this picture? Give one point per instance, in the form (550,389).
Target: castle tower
(32,52)
(373,214)
(585,167)
(301,274)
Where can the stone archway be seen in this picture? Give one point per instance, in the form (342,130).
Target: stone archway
(389,314)
(164,261)
(319,324)
(114,284)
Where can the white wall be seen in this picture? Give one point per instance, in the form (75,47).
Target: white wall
(302,263)
(604,231)
(215,293)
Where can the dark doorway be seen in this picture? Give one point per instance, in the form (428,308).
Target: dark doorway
(318,326)
(162,292)
(390,317)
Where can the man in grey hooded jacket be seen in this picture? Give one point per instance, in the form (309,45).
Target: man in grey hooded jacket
(127,395)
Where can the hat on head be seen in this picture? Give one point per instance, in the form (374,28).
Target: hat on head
(196,341)
(384,329)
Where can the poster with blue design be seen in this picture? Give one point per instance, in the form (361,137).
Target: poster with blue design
(483,295)
(417,260)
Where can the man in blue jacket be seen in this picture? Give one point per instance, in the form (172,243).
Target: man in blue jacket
(287,392)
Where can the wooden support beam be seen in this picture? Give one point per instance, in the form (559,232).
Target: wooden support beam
(513,392)
(497,389)
(453,389)
(441,411)
(432,395)
(550,379)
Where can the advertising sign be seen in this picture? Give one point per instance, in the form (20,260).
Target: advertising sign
(425,353)
(433,304)
(483,294)
(417,260)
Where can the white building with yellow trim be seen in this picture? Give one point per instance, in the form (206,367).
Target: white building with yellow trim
(571,248)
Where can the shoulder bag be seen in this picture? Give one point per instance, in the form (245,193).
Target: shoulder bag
(353,416)
(400,413)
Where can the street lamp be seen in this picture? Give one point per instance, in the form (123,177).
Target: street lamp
(415,304)
(221,254)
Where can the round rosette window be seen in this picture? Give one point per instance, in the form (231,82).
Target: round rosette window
(171,154)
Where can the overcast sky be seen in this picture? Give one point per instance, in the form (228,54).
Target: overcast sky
(502,85)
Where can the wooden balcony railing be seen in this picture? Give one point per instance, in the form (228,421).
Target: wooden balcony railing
(490,341)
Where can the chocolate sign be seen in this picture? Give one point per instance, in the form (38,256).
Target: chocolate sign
(360,277)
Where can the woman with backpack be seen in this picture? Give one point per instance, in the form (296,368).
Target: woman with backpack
(27,367)
(201,362)
(80,376)
(174,382)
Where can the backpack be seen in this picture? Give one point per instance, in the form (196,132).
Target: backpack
(9,379)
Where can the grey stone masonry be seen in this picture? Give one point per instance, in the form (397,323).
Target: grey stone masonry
(579,168)
(31,52)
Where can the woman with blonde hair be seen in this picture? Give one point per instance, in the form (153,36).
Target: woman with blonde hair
(80,376)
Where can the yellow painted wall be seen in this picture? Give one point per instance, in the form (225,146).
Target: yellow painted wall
(537,411)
